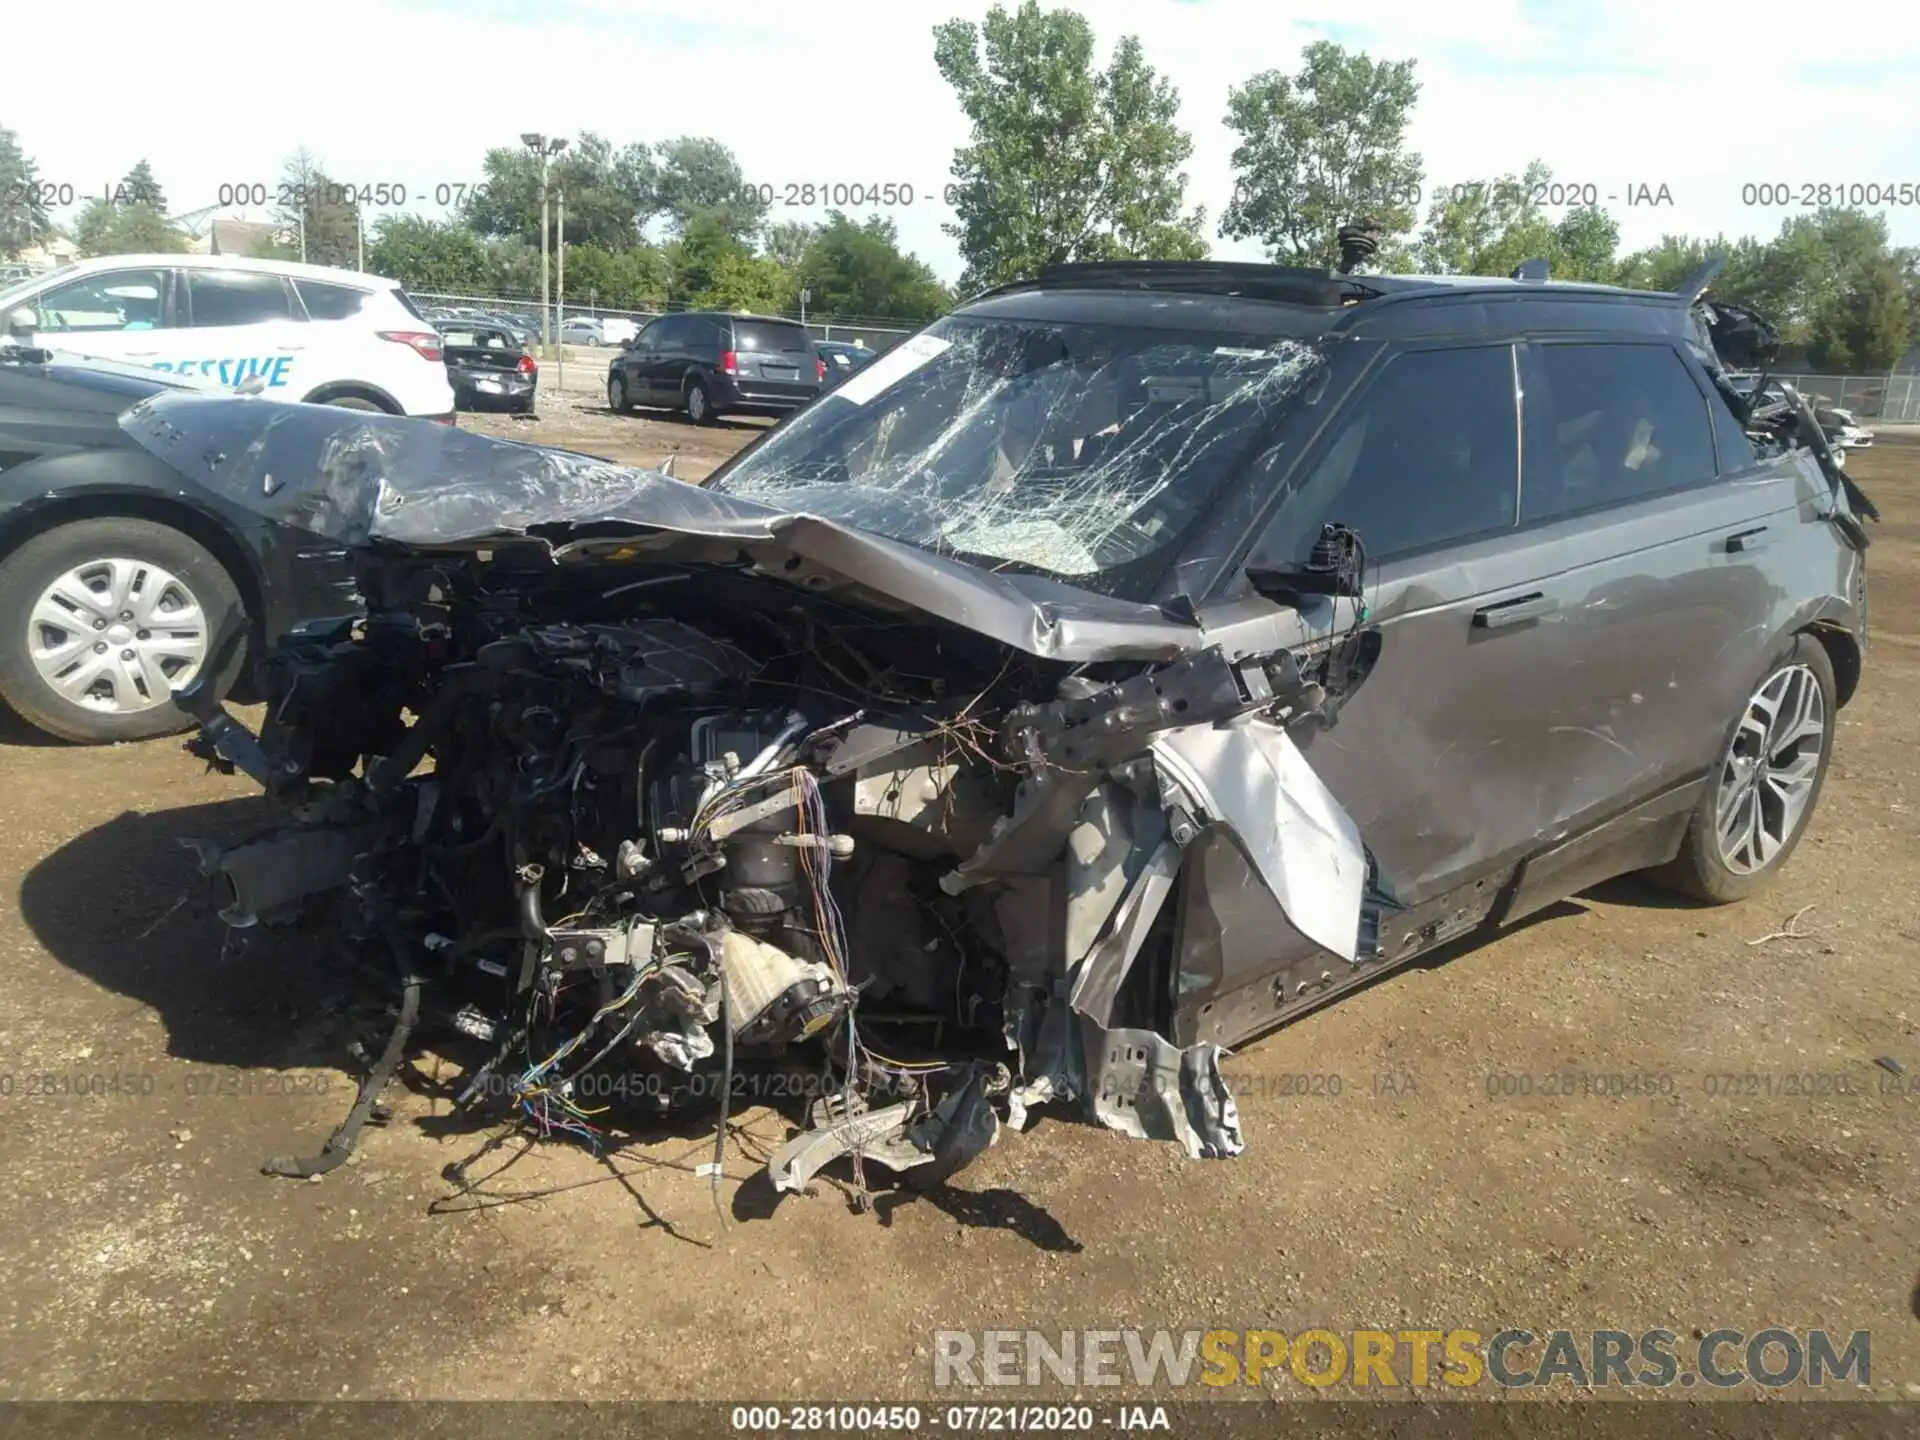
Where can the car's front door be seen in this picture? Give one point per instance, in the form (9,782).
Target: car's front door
(127,315)
(1438,755)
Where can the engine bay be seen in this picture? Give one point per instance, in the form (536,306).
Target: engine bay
(692,826)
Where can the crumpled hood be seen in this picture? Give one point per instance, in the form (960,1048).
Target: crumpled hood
(361,479)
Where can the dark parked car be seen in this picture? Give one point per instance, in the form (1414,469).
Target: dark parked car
(711,363)
(489,367)
(118,569)
(1131,661)
(842,360)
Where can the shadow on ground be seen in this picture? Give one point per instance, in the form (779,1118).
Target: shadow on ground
(124,905)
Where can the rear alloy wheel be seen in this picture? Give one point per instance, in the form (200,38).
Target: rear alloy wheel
(617,395)
(1763,792)
(355,402)
(108,618)
(699,403)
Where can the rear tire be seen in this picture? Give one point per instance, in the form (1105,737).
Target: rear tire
(355,402)
(1766,786)
(699,403)
(154,597)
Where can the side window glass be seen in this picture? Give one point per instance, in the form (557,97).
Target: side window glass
(1731,442)
(330,302)
(233,297)
(1612,423)
(1426,455)
(116,300)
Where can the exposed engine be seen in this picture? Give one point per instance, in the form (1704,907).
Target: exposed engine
(702,824)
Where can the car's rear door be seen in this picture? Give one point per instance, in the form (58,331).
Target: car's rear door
(1649,500)
(243,324)
(775,362)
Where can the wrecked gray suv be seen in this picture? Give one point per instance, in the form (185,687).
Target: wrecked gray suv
(1131,661)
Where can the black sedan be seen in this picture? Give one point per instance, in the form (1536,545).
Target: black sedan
(489,366)
(121,574)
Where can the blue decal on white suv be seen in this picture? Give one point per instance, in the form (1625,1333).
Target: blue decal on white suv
(234,369)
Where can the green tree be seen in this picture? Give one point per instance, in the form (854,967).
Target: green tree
(787,241)
(1490,229)
(321,219)
(1586,246)
(697,256)
(700,176)
(1662,266)
(858,269)
(104,228)
(1829,281)
(24,220)
(1322,148)
(436,256)
(740,280)
(1064,163)
(1866,325)
(513,269)
(617,279)
(138,187)
(1486,229)
(610,194)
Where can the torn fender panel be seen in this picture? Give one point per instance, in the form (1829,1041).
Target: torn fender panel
(359,478)
(1249,776)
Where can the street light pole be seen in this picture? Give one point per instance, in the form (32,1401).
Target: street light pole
(560,285)
(546,307)
(544,150)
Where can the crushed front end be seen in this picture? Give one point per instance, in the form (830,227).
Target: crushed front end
(686,823)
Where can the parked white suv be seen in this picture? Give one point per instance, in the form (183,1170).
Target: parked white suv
(307,332)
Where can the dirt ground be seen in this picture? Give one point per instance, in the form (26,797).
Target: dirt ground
(149,1061)
(577,418)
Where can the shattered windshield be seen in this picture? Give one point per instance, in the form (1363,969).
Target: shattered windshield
(1077,451)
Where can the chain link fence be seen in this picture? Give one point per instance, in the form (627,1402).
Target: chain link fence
(1888,399)
(876,335)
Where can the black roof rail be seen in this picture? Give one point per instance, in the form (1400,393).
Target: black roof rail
(1238,279)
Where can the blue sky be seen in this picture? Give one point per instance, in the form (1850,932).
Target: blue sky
(1619,93)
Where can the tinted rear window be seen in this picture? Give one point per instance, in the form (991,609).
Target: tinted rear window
(768,335)
(333,302)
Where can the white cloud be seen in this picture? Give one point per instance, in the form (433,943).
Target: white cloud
(1702,96)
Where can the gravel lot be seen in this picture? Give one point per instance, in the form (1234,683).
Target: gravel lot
(147,1257)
